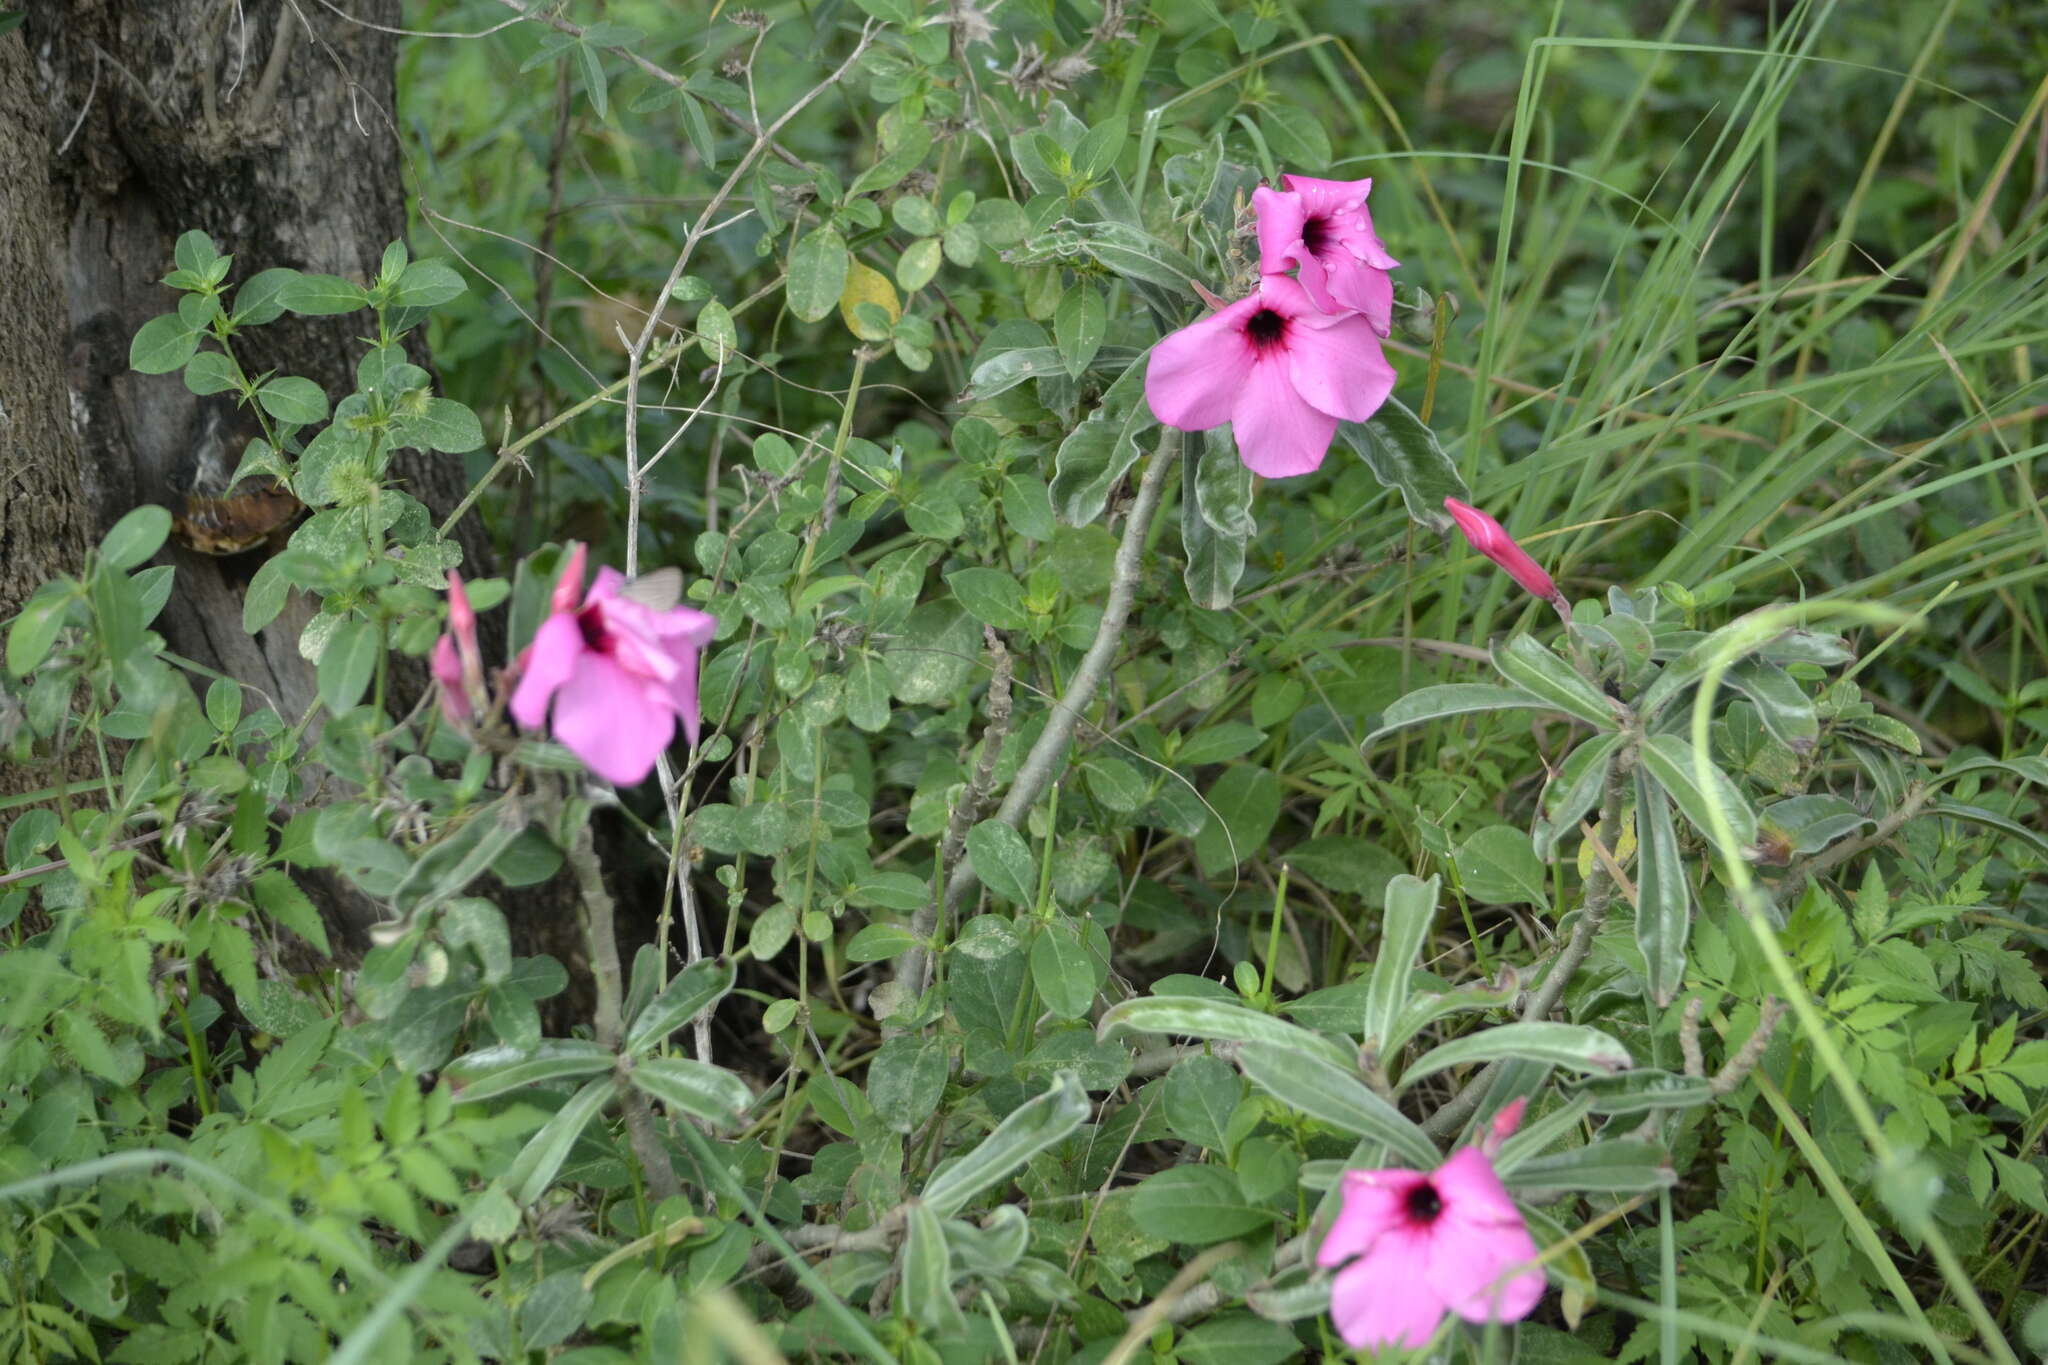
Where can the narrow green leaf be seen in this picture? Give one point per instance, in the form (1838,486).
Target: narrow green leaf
(1218,1021)
(695,989)
(1332,1095)
(135,537)
(694,1088)
(1571,1046)
(347,663)
(1411,910)
(1663,894)
(496,1071)
(533,1170)
(1454,699)
(1003,862)
(1403,455)
(1670,761)
(1530,665)
(1029,1129)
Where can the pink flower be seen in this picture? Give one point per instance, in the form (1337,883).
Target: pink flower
(1492,540)
(1322,228)
(1280,372)
(1419,1246)
(458,666)
(618,669)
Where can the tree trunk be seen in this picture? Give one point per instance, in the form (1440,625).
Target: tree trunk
(282,145)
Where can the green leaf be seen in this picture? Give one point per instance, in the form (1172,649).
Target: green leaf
(1063,970)
(280,898)
(1574,791)
(553,1310)
(1215,553)
(1216,1021)
(211,372)
(1663,893)
(36,628)
(1571,1046)
(1097,453)
(1781,703)
(1330,1094)
(1244,805)
(426,284)
(1003,862)
(902,12)
(991,596)
(195,251)
(1498,866)
(927,1288)
(906,1080)
(1198,1098)
(1411,905)
(817,274)
(1528,664)
(322,295)
(693,1088)
(135,537)
(1618,1166)
(347,663)
(162,344)
(1670,761)
(1029,1129)
(1238,1339)
(1403,455)
(289,398)
(1297,138)
(1454,699)
(1195,1206)
(695,989)
(444,425)
(268,589)
(495,1071)
(261,297)
(919,262)
(1078,326)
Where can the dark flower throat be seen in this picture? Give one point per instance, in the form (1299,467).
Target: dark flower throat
(1424,1203)
(1266,328)
(590,621)
(1315,235)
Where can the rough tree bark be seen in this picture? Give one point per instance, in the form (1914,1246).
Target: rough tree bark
(270,125)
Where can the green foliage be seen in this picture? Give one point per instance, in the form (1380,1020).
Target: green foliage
(1090,852)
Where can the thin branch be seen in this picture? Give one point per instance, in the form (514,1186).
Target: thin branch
(914,968)
(1044,759)
(608,1025)
(1834,856)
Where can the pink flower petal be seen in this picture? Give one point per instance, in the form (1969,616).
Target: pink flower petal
(609,719)
(605,586)
(1374,1203)
(1327,198)
(1194,375)
(549,661)
(1280,217)
(1470,1188)
(1279,434)
(1386,1298)
(1336,365)
(1486,1272)
(1366,291)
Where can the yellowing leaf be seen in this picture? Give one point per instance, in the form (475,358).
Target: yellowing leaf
(864,284)
(1623,848)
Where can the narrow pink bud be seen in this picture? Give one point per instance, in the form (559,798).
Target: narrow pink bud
(1505,1121)
(1492,540)
(447,671)
(569,587)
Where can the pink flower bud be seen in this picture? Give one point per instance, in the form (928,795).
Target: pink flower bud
(569,587)
(1492,540)
(1505,1120)
(447,671)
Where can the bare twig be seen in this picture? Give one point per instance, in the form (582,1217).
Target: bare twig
(1044,759)
(1835,855)
(608,1024)
(914,968)
(1744,1059)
